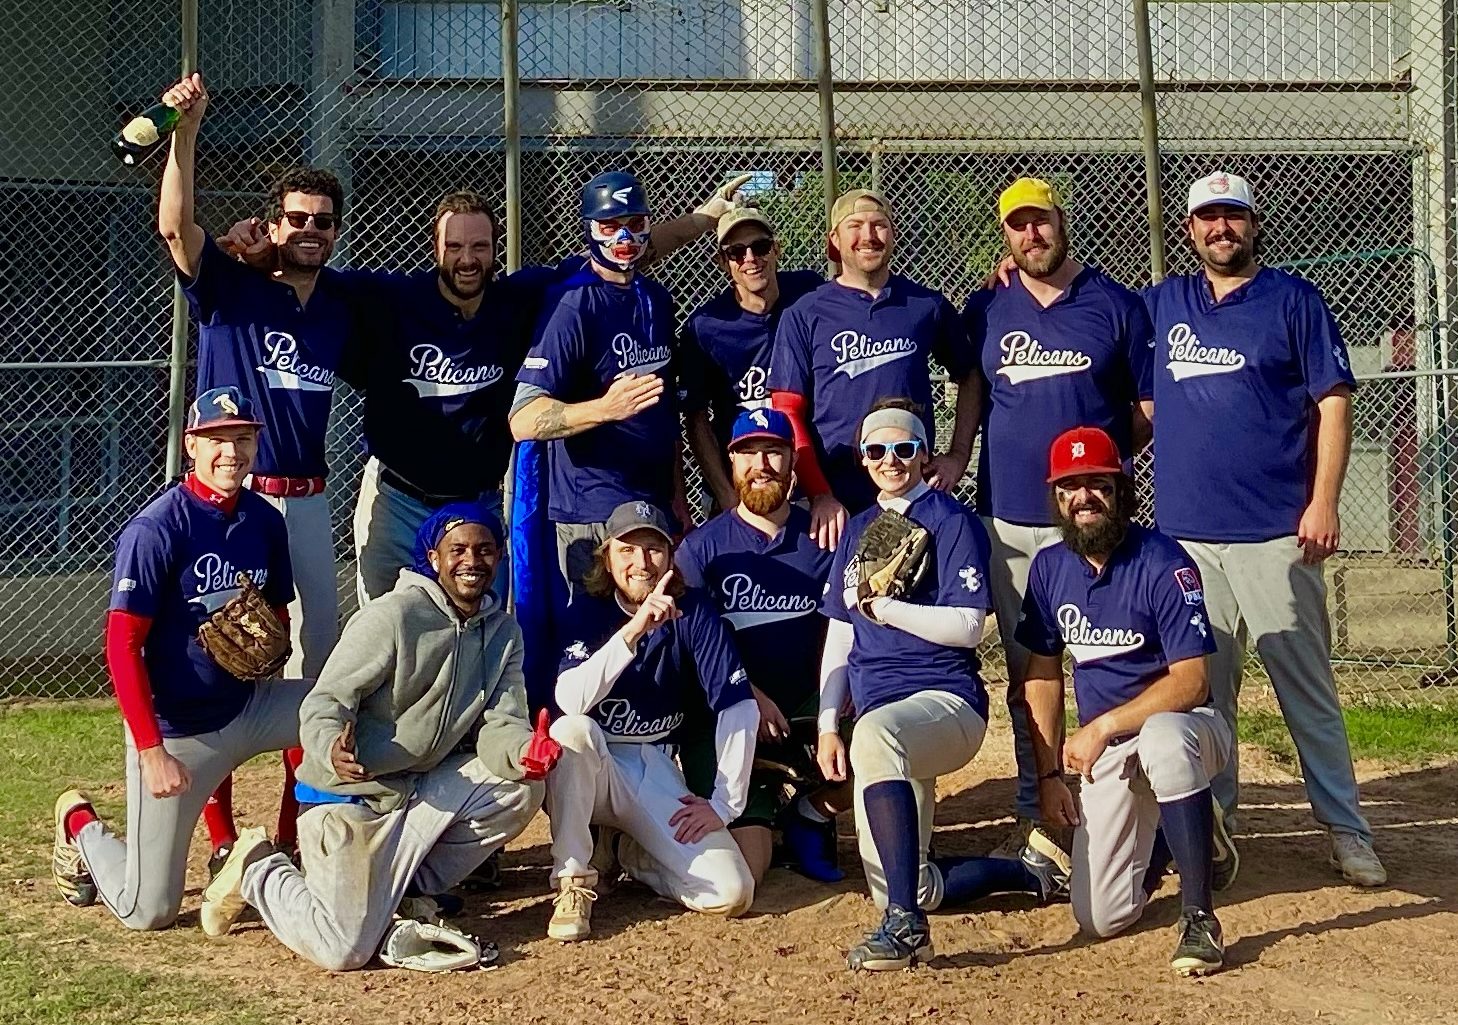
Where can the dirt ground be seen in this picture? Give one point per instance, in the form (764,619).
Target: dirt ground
(1301,945)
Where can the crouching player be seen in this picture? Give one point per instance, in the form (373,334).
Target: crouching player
(1127,604)
(765,574)
(418,758)
(635,643)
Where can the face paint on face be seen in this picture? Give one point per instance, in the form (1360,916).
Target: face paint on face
(619,243)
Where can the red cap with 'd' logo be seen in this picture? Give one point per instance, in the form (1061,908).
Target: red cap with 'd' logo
(1080,451)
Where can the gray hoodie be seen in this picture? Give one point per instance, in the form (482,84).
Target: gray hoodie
(419,683)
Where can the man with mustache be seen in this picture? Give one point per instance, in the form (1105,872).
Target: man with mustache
(727,346)
(638,654)
(865,335)
(1060,345)
(1254,389)
(765,574)
(1126,603)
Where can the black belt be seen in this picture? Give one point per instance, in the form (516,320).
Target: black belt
(400,484)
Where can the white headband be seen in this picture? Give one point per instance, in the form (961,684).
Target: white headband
(899,418)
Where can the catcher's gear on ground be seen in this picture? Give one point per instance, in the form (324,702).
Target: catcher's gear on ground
(891,558)
(432,947)
(245,636)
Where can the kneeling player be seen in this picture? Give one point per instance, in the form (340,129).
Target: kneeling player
(634,644)
(765,574)
(1127,603)
(189,722)
(418,759)
(910,663)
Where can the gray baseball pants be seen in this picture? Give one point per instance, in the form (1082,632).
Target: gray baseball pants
(576,543)
(141,878)
(357,862)
(314,612)
(1263,591)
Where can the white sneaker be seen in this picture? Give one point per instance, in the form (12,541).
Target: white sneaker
(1353,857)
(571,911)
(223,897)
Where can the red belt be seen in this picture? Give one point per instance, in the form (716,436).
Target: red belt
(288,487)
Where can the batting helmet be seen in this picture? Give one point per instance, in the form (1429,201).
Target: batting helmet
(613,194)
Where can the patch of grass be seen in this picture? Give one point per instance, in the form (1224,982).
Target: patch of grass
(1381,733)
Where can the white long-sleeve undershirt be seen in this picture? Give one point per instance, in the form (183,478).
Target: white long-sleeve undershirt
(949,625)
(834,677)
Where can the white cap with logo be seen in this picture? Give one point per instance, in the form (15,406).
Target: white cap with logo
(1220,187)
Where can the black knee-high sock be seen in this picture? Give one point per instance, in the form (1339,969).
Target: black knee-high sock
(965,880)
(891,815)
(1189,829)
(1159,859)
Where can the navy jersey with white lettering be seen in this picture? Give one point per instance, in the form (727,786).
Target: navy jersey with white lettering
(591,333)
(1235,386)
(649,701)
(843,350)
(177,562)
(1083,361)
(254,334)
(888,664)
(727,351)
(1123,626)
(437,386)
(768,589)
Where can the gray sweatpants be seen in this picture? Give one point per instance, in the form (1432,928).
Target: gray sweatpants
(141,878)
(1174,756)
(576,543)
(1262,591)
(358,862)
(314,612)
(1013,548)
(916,739)
(385,524)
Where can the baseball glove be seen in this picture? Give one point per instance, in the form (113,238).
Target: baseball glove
(245,636)
(430,947)
(891,557)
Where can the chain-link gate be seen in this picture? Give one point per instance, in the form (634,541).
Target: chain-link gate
(1342,114)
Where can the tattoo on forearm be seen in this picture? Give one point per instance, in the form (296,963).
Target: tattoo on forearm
(551,422)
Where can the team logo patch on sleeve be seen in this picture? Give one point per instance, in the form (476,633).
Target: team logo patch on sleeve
(971,577)
(535,363)
(577,651)
(125,584)
(1189,582)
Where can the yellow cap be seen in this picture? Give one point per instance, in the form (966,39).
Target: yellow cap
(1025,192)
(858,201)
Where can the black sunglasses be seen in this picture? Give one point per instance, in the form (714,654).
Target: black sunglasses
(299,219)
(760,247)
(902,450)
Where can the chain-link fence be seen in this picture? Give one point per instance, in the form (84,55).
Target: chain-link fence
(1343,114)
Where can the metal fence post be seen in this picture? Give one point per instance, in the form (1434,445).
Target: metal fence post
(177,362)
(510,95)
(1149,115)
(825,87)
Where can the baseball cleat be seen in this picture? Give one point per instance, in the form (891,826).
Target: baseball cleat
(571,911)
(1011,846)
(223,897)
(1050,864)
(810,847)
(1200,950)
(219,856)
(902,940)
(68,868)
(1354,858)
(1227,858)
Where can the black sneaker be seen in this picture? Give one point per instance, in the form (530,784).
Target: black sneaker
(1200,951)
(902,940)
(1226,862)
(1049,864)
(487,875)
(220,855)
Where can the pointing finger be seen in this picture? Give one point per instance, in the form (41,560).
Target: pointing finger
(662,586)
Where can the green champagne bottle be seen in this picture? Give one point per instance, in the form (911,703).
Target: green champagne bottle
(144,133)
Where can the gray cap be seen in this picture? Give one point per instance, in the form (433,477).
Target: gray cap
(631,516)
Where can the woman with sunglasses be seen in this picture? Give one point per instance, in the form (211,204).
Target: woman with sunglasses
(911,669)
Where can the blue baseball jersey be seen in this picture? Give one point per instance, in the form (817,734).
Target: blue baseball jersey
(1235,385)
(768,590)
(254,334)
(177,562)
(843,350)
(591,333)
(437,386)
(649,701)
(727,351)
(1124,626)
(887,664)
(1083,361)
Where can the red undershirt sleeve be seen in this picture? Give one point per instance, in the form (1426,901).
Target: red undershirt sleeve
(807,467)
(125,634)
